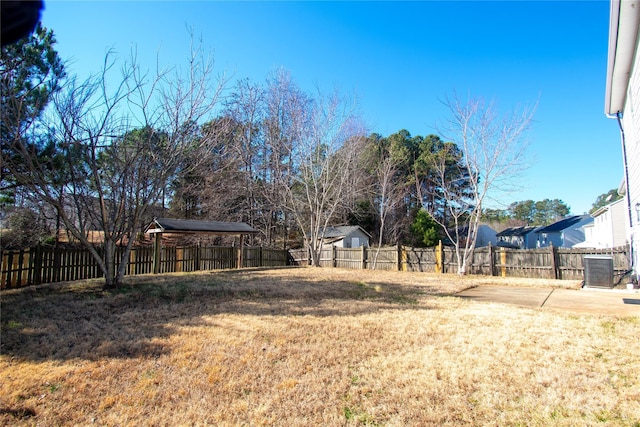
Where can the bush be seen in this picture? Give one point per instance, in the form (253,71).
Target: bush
(25,230)
(425,228)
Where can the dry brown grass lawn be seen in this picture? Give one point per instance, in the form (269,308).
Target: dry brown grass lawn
(307,347)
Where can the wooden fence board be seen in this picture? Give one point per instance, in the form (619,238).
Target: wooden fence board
(42,265)
(47,265)
(419,259)
(348,258)
(387,258)
(544,263)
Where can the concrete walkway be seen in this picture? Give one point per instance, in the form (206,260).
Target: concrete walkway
(596,301)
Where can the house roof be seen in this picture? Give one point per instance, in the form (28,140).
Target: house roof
(516,231)
(342,231)
(167,225)
(623,36)
(565,223)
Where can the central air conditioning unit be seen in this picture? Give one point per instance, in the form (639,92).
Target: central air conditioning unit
(598,271)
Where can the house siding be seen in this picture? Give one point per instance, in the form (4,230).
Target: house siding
(609,227)
(518,236)
(572,237)
(348,240)
(363,239)
(631,126)
(531,240)
(548,239)
(618,216)
(566,238)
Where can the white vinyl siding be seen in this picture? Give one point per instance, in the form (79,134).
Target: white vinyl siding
(631,125)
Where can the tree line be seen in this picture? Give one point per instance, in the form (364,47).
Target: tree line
(109,152)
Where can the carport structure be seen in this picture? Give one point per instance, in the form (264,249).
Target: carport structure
(187,226)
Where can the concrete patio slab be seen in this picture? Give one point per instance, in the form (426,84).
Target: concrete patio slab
(622,303)
(596,301)
(528,297)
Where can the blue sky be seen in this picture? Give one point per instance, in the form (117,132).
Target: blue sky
(400,59)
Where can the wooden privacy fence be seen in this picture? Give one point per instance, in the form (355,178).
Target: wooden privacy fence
(545,263)
(44,265)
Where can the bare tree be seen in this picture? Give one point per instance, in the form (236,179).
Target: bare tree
(286,108)
(386,183)
(245,106)
(488,154)
(116,141)
(328,137)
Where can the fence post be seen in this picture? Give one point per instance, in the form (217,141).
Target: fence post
(240,252)
(30,265)
(157,253)
(57,270)
(503,262)
(492,263)
(334,256)
(21,269)
(9,267)
(440,257)
(399,257)
(554,262)
(363,258)
(2,266)
(179,260)
(132,262)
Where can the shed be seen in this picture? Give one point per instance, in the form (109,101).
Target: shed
(189,226)
(348,236)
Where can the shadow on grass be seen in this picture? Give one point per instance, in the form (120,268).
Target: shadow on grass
(81,321)
(18,413)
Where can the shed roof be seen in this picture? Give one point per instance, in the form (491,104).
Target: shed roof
(342,231)
(167,225)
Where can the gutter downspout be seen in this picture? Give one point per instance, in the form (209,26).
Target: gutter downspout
(618,116)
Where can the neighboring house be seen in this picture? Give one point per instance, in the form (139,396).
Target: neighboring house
(518,237)
(565,233)
(348,236)
(608,229)
(486,236)
(622,102)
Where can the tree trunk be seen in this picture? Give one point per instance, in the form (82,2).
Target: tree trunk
(315,256)
(124,259)
(111,280)
(375,258)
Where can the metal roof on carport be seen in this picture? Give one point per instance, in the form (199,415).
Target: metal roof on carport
(167,225)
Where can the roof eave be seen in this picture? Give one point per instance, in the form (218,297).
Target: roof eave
(623,38)
(600,211)
(157,227)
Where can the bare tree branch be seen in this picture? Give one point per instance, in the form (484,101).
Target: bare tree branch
(493,152)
